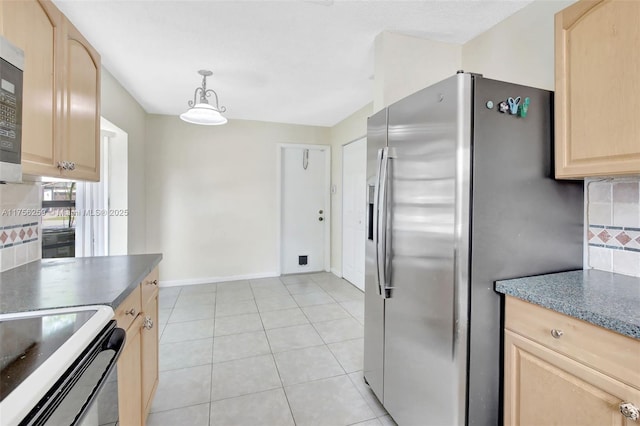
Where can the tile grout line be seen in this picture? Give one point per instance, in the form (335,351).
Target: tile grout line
(164,327)
(273,357)
(178,408)
(264,330)
(371,407)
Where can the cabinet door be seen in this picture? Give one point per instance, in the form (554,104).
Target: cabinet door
(36,27)
(150,348)
(597,86)
(543,387)
(81,142)
(129,377)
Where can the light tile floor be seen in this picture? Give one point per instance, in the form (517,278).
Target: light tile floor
(271,352)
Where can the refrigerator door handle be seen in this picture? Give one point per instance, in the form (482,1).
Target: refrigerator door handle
(376,217)
(381,247)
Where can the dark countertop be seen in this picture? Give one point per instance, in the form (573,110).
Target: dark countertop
(81,281)
(602,298)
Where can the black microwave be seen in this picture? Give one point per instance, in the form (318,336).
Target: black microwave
(11,69)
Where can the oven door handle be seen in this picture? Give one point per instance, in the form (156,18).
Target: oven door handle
(71,397)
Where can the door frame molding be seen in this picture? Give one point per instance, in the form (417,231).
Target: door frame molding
(327,197)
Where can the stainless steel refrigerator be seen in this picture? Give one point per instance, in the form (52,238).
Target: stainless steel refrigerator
(461,193)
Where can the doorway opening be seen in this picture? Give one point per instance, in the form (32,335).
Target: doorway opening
(304,223)
(85,219)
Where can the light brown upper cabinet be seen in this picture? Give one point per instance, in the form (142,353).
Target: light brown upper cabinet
(597,103)
(61,107)
(81,129)
(35,27)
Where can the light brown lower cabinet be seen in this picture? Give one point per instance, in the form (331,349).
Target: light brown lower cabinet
(552,379)
(138,362)
(129,378)
(149,352)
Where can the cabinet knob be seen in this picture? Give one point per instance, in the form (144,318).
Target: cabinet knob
(630,411)
(66,165)
(131,312)
(148,323)
(556,333)
(154,282)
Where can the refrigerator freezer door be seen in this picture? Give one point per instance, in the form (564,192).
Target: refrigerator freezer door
(524,223)
(373,301)
(422,364)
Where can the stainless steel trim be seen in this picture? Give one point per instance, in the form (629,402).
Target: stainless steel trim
(462,240)
(12,54)
(387,272)
(376,229)
(381,249)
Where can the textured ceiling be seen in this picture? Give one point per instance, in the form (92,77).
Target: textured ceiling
(304,62)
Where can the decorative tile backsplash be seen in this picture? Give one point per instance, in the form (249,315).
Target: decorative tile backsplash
(12,235)
(614,237)
(20,224)
(612,208)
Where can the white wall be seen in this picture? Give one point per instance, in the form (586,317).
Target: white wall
(405,64)
(211,196)
(119,107)
(519,49)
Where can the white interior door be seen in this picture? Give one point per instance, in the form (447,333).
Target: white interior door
(354,183)
(305,208)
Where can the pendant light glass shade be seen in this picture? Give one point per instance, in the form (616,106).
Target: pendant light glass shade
(202,112)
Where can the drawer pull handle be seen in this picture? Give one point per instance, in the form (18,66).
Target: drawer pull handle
(148,323)
(630,411)
(154,282)
(556,333)
(131,312)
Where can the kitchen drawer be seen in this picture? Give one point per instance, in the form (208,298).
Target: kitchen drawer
(129,309)
(149,286)
(611,353)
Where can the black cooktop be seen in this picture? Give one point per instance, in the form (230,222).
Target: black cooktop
(25,343)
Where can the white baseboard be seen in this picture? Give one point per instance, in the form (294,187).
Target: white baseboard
(196,281)
(336,272)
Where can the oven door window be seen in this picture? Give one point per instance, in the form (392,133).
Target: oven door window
(88,384)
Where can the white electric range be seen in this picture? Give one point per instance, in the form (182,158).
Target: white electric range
(54,363)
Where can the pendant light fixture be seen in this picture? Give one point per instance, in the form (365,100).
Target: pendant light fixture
(201,112)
